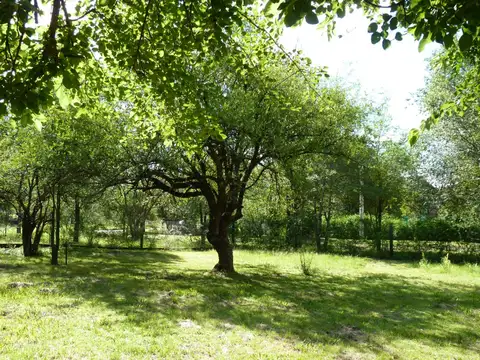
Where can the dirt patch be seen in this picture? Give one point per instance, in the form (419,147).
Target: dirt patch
(349,333)
(19,285)
(188,324)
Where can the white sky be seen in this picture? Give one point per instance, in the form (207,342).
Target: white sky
(396,73)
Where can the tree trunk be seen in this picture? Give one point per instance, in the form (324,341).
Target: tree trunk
(56,246)
(379,225)
(54,254)
(361,209)
(27,232)
(218,236)
(225,256)
(328,216)
(317,210)
(38,237)
(76,227)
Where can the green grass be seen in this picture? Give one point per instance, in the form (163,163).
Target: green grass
(109,304)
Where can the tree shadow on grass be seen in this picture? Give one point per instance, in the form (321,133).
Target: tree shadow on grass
(358,310)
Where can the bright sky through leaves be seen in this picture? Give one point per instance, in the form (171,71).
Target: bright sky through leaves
(395,74)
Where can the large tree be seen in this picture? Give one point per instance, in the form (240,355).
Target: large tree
(263,114)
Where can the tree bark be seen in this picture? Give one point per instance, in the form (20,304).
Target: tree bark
(317,208)
(56,246)
(54,255)
(328,216)
(38,236)
(76,227)
(225,257)
(218,236)
(379,225)
(27,233)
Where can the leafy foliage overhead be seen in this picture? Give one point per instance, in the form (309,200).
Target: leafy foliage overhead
(47,47)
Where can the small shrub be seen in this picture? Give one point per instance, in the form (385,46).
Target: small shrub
(423,261)
(446,263)
(306,259)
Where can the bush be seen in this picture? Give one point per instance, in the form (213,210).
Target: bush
(435,230)
(306,259)
(446,263)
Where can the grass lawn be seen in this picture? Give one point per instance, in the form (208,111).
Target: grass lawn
(154,305)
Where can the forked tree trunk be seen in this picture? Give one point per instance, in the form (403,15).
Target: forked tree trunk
(38,237)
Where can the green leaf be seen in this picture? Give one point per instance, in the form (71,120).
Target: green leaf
(290,19)
(372,27)
(393,23)
(376,37)
(311,18)
(63,98)
(341,13)
(398,36)
(70,81)
(448,40)
(465,42)
(386,44)
(38,124)
(413,136)
(423,42)
(26,118)
(81,111)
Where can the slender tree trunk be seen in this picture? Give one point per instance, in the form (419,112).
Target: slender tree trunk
(76,227)
(361,209)
(124,215)
(288,232)
(54,255)
(379,225)
(361,229)
(56,247)
(317,209)
(328,216)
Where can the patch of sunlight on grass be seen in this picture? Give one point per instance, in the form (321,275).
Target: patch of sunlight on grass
(154,304)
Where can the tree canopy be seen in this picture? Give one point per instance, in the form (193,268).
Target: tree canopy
(45,44)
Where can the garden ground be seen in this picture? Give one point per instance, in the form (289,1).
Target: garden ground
(110,304)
